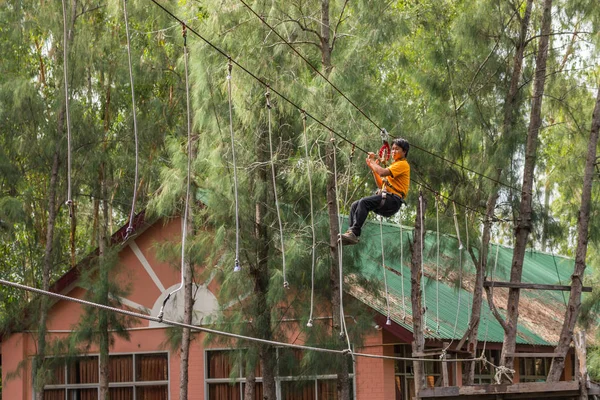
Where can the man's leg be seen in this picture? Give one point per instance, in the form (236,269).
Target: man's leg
(360,210)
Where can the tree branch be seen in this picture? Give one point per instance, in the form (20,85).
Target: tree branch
(493,309)
(337,25)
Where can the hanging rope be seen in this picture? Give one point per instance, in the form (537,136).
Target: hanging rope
(69,201)
(268,98)
(387,296)
(460,267)
(189,173)
(312,223)
(491,293)
(129,230)
(467,247)
(236,266)
(343,327)
(437,266)
(402,267)
(422,263)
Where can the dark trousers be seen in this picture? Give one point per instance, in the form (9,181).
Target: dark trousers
(360,209)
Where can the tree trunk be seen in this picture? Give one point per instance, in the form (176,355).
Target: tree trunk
(188,300)
(583,221)
(343,379)
(103,284)
(523,227)
(39,361)
(188,308)
(510,105)
(416,295)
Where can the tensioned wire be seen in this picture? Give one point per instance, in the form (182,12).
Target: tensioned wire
(67,113)
(271,158)
(262,19)
(402,267)
(437,266)
(189,172)
(293,104)
(135,133)
(214,331)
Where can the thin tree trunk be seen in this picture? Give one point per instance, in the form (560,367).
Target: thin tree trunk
(187,318)
(343,379)
(103,326)
(510,105)
(39,360)
(523,227)
(566,335)
(416,295)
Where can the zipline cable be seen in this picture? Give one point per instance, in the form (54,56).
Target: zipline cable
(236,266)
(293,104)
(269,106)
(312,224)
(135,133)
(264,21)
(67,113)
(189,173)
(214,331)
(261,81)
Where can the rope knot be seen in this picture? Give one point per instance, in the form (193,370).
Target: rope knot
(503,370)
(346,352)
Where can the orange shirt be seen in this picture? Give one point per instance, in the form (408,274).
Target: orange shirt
(399,180)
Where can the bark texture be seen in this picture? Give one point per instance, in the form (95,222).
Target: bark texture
(583,222)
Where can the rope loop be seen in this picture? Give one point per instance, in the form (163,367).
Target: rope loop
(184,33)
(268,97)
(229,67)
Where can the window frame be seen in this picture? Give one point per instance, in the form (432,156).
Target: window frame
(133,384)
(241,380)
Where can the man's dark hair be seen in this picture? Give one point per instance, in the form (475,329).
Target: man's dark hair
(402,143)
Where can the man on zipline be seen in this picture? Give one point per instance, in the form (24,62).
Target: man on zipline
(393,183)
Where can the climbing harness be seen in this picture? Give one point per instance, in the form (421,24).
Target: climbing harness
(268,102)
(129,230)
(189,172)
(236,267)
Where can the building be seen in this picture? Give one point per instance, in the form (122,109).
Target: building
(143,367)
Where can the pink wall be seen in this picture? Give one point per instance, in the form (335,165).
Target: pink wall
(375,377)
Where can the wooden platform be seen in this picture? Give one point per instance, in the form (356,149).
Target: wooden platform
(534,390)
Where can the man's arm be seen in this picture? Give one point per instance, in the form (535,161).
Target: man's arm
(378,171)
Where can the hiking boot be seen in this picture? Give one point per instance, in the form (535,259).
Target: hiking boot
(349,238)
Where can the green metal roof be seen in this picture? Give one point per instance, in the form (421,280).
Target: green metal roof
(540,310)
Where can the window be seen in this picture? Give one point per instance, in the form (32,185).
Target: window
(534,369)
(484,373)
(226,380)
(131,376)
(405,382)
